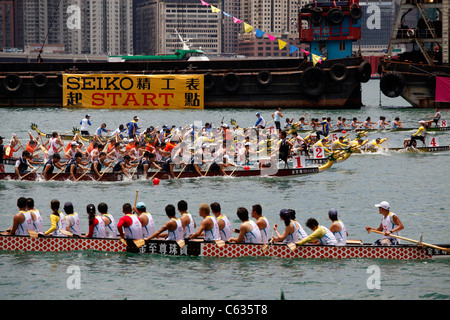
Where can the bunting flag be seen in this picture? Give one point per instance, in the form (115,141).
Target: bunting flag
(317,59)
(236,20)
(281,44)
(271,38)
(305,52)
(214,9)
(259,33)
(247,27)
(292,48)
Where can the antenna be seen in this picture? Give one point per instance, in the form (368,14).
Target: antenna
(185,46)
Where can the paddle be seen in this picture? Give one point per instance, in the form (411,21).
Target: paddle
(220,243)
(32,171)
(87,171)
(138,242)
(181,243)
(58,173)
(411,240)
(155,174)
(105,170)
(66,233)
(182,171)
(33,234)
(265,246)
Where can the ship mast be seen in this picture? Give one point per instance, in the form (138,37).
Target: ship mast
(428,39)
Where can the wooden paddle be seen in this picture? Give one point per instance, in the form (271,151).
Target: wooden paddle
(32,171)
(265,246)
(105,170)
(33,234)
(66,233)
(411,240)
(87,171)
(220,243)
(182,171)
(181,243)
(155,174)
(138,242)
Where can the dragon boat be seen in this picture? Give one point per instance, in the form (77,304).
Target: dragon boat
(202,248)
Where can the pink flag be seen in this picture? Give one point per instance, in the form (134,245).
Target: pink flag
(305,52)
(442,89)
(271,38)
(204,3)
(236,20)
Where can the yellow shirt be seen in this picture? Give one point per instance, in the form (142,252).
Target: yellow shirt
(54,219)
(317,234)
(420,131)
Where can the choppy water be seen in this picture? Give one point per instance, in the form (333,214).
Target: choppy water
(416,185)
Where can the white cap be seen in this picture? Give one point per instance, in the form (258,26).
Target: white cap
(383,204)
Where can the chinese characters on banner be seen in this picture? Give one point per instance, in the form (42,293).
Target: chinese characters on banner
(133,91)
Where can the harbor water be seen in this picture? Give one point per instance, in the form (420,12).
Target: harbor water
(415,184)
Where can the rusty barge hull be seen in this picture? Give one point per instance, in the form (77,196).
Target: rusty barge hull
(246,83)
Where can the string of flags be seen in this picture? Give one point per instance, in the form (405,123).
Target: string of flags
(259,34)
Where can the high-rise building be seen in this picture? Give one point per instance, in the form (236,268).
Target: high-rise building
(158,21)
(11,24)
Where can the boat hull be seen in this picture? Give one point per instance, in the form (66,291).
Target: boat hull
(211,249)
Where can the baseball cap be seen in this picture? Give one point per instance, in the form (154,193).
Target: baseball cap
(88,115)
(2,137)
(140,205)
(383,204)
(257,113)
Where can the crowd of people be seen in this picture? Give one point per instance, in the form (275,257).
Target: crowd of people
(137,223)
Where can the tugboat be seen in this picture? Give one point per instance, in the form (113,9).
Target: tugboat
(422,28)
(334,81)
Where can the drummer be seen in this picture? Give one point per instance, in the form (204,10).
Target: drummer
(390,224)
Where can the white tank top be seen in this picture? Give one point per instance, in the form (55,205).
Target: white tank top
(293,237)
(99,229)
(301,232)
(341,236)
(60,225)
(225,232)
(213,233)
(52,147)
(135,230)
(254,235)
(111,228)
(38,223)
(150,228)
(265,232)
(189,229)
(328,238)
(76,227)
(388,224)
(177,234)
(27,224)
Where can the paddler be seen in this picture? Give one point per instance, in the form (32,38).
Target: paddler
(148,224)
(375,144)
(208,227)
(57,219)
(248,231)
(123,165)
(73,224)
(74,166)
(337,228)
(174,226)
(320,234)
(301,232)
(51,164)
(38,222)
(23,220)
(262,223)
(22,164)
(129,226)
(96,224)
(222,221)
(290,234)
(390,224)
(98,164)
(108,219)
(186,219)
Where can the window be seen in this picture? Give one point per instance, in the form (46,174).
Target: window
(342,46)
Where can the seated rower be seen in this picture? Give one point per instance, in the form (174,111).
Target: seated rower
(390,224)
(108,219)
(248,231)
(123,165)
(148,224)
(301,232)
(396,124)
(208,227)
(23,220)
(375,145)
(38,222)
(357,144)
(261,222)
(131,223)
(72,219)
(98,164)
(51,164)
(338,228)
(74,166)
(320,234)
(96,224)
(22,164)
(174,226)
(147,161)
(290,234)
(57,219)
(186,219)
(222,221)
(339,144)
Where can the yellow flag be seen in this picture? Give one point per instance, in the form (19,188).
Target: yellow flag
(247,27)
(315,58)
(281,44)
(215,10)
